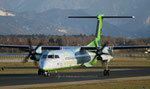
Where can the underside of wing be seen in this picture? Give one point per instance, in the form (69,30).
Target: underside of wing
(27,47)
(88,48)
(129,47)
(15,46)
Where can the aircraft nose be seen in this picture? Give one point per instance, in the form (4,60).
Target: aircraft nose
(44,64)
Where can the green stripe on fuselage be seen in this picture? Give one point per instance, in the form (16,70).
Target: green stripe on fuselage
(53,69)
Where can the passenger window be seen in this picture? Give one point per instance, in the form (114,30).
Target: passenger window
(56,56)
(50,56)
(53,56)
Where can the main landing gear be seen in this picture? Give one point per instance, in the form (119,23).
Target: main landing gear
(106,71)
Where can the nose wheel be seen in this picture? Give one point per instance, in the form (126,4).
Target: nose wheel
(44,73)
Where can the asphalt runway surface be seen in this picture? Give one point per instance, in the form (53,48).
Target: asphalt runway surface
(116,72)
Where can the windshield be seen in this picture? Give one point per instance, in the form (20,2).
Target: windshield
(56,56)
(44,56)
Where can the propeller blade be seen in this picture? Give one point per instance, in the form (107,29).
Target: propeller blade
(105,44)
(32,52)
(94,58)
(30,44)
(40,43)
(35,63)
(26,58)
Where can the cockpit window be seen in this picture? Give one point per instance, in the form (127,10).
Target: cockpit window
(56,56)
(44,56)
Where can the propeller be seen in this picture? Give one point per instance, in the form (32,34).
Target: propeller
(32,52)
(99,52)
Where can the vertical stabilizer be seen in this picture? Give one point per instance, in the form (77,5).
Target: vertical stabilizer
(97,40)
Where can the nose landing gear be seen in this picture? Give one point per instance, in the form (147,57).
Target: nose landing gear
(44,73)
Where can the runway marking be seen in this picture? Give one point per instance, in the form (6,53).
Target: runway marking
(74,83)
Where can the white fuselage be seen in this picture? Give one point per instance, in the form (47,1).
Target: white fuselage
(64,58)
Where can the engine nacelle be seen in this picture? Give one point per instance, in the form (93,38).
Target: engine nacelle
(107,56)
(107,50)
(38,50)
(37,54)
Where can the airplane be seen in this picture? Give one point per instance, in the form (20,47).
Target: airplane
(52,58)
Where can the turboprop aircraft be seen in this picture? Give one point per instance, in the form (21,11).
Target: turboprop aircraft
(53,58)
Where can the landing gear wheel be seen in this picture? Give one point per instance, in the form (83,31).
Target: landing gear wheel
(46,74)
(106,72)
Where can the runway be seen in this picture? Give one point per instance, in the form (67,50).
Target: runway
(116,72)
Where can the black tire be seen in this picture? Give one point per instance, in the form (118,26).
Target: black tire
(46,74)
(106,72)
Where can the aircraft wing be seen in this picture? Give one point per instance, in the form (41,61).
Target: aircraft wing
(82,47)
(88,48)
(15,46)
(130,47)
(117,47)
(27,47)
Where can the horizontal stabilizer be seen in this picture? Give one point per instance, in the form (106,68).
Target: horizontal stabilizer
(102,17)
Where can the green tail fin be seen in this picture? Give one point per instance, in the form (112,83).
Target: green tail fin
(97,40)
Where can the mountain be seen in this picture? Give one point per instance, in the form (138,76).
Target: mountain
(107,7)
(54,21)
(40,23)
(50,17)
